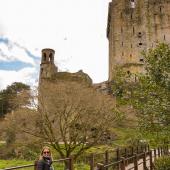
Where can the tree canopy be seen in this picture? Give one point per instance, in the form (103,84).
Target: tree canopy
(9,97)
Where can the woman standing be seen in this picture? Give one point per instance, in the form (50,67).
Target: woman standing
(45,159)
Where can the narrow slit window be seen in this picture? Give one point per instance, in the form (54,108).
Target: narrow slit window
(121,15)
(133,30)
(122,43)
(164,37)
(121,30)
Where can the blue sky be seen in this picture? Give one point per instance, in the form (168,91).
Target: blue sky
(75,29)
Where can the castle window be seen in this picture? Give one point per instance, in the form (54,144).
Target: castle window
(131,16)
(160,9)
(139,34)
(44,57)
(140,43)
(51,57)
(131,46)
(41,70)
(128,72)
(130,55)
(133,30)
(122,44)
(141,60)
(121,30)
(121,15)
(132,3)
(122,53)
(164,37)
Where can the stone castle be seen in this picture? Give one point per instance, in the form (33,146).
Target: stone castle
(134,26)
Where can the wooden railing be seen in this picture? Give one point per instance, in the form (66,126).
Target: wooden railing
(68,160)
(144,160)
(115,155)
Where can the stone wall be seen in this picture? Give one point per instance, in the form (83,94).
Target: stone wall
(134,26)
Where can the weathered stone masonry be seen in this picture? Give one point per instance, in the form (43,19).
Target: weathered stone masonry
(134,26)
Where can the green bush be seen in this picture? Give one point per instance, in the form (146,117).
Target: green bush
(163,163)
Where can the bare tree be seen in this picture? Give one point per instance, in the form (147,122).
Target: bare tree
(71,117)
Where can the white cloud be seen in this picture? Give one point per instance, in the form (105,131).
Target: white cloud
(12,51)
(26,75)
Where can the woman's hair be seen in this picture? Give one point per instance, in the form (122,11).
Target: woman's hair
(41,154)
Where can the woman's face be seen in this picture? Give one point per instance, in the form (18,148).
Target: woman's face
(46,152)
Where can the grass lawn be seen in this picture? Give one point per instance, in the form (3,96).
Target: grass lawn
(57,166)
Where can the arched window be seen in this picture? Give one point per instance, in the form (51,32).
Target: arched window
(44,57)
(51,57)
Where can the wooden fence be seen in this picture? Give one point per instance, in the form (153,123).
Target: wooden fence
(69,162)
(115,155)
(137,161)
(117,159)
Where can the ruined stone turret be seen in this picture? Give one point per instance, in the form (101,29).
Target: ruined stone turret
(47,66)
(49,72)
(134,26)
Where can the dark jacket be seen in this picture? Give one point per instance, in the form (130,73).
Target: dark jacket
(44,164)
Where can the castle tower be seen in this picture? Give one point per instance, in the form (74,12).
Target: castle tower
(135,26)
(47,66)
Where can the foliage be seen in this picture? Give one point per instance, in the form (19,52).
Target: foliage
(162,163)
(10,98)
(150,93)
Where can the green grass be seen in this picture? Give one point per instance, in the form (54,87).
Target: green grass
(57,166)
(13,163)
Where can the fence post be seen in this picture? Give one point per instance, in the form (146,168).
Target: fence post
(161,150)
(159,154)
(132,149)
(122,165)
(137,149)
(151,161)
(167,149)
(144,160)
(154,153)
(117,154)
(106,158)
(135,162)
(71,163)
(92,162)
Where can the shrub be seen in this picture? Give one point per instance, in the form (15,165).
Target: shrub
(163,163)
